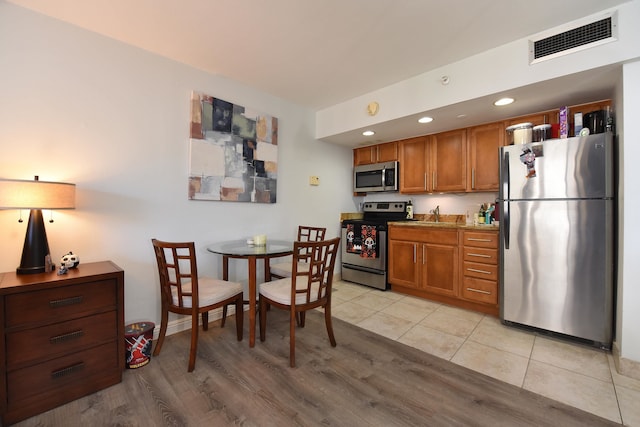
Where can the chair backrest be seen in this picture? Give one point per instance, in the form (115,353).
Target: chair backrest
(314,284)
(309,234)
(178,272)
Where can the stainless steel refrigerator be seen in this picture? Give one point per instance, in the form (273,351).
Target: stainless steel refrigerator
(557,226)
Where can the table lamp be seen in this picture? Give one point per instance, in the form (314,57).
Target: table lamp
(36,195)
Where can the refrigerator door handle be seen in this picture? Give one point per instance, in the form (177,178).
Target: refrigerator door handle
(505,198)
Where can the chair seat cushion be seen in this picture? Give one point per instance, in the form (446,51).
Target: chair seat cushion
(210,291)
(284,269)
(280,291)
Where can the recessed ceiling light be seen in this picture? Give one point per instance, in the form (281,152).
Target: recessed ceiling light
(368,133)
(425,119)
(503,101)
(461,116)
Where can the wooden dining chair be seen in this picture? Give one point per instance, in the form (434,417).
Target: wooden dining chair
(305,234)
(304,290)
(183,292)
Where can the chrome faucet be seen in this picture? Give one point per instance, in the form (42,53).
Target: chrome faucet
(436,213)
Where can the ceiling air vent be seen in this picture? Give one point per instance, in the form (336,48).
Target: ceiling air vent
(574,39)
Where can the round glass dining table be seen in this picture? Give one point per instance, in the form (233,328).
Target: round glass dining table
(241,249)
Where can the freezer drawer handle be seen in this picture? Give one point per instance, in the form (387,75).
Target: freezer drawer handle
(479,255)
(478,271)
(478,240)
(480,291)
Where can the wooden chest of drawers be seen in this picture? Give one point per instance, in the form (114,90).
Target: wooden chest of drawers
(62,337)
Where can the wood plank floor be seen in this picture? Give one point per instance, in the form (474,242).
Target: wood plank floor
(367,380)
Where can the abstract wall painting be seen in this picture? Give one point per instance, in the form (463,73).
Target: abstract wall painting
(233,152)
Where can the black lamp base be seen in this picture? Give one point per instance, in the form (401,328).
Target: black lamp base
(36,257)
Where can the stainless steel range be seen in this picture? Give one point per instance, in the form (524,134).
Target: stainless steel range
(364,243)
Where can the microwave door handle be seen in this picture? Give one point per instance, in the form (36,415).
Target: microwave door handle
(384,176)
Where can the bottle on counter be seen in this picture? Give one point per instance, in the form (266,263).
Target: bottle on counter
(489,214)
(409,210)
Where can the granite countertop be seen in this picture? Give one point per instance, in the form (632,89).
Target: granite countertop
(445,224)
(428,220)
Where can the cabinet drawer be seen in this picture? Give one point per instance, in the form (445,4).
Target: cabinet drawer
(485,256)
(424,234)
(62,375)
(480,290)
(37,344)
(482,271)
(480,239)
(59,304)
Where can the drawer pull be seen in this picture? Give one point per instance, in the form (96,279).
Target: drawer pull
(67,371)
(66,337)
(65,302)
(480,255)
(479,271)
(480,291)
(473,239)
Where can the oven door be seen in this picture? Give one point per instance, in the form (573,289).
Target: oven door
(366,271)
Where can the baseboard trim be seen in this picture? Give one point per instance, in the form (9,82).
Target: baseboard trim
(184,322)
(627,367)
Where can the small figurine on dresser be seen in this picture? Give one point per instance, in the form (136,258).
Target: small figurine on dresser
(69,260)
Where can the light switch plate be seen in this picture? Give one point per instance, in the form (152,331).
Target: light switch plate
(314,180)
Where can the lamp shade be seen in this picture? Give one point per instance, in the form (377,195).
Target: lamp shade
(22,194)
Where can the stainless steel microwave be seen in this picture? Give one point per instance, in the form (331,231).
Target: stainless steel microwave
(376,177)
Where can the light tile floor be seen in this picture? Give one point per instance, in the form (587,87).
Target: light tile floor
(574,374)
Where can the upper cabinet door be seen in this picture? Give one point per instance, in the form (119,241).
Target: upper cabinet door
(386,152)
(449,161)
(414,165)
(363,156)
(484,144)
(534,119)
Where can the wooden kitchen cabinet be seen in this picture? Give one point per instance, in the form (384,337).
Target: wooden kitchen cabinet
(455,266)
(423,261)
(535,119)
(479,265)
(434,163)
(448,155)
(483,156)
(63,337)
(386,152)
(414,165)
(404,269)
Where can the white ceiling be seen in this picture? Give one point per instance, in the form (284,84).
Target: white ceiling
(317,53)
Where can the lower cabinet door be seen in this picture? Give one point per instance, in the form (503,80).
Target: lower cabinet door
(440,269)
(403,266)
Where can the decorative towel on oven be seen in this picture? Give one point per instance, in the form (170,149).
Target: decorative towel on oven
(354,241)
(369,235)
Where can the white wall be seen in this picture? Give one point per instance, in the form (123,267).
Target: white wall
(78,107)
(629,291)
